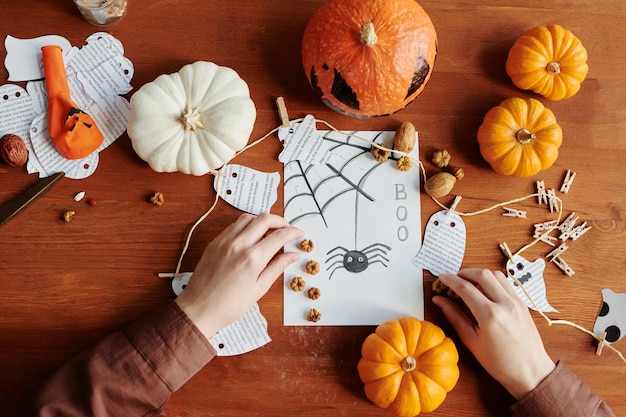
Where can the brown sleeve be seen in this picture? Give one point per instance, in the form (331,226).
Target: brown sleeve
(561,394)
(132,372)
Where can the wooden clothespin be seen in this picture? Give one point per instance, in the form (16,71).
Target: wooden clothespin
(567,182)
(545,238)
(506,251)
(568,223)
(579,230)
(601,344)
(455,203)
(552,200)
(563,266)
(542,197)
(511,212)
(540,227)
(557,252)
(282,112)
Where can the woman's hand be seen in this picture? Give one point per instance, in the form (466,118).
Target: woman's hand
(501,334)
(236,270)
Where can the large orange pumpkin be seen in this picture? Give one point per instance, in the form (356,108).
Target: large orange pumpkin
(408,366)
(369,58)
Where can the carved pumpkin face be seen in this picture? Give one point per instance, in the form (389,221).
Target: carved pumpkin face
(369,58)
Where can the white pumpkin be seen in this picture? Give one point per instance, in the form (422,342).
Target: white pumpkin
(193,121)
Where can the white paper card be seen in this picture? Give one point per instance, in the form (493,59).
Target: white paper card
(444,244)
(364,219)
(247,189)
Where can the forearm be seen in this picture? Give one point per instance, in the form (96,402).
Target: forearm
(561,394)
(132,372)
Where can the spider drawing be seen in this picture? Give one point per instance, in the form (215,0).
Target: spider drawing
(356,261)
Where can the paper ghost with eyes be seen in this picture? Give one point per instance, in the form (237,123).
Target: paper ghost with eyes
(444,244)
(530,275)
(612,316)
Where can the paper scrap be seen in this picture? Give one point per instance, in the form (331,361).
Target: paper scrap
(23,59)
(303,142)
(247,189)
(530,275)
(612,316)
(364,219)
(244,335)
(444,244)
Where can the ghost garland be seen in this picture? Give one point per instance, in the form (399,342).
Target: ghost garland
(513,259)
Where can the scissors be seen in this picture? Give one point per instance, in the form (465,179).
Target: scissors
(22,201)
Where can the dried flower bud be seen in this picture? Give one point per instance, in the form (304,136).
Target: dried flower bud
(313,315)
(440,288)
(297,284)
(441,158)
(307,245)
(380,155)
(312,267)
(157,198)
(404,163)
(314,293)
(456,171)
(68,215)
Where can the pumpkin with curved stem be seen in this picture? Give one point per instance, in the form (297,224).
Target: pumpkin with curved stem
(548,60)
(408,366)
(520,137)
(192,121)
(369,58)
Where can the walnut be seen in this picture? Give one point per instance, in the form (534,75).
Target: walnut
(380,155)
(67,216)
(297,284)
(442,289)
(157,198)
(312,267)
(313,315)
(404,163)
(13,150)
(404,138)
(440,184)
(307,245)
(314,293)
(441,158)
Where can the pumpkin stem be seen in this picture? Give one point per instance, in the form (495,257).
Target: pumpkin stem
(524,136)
(409,364)
(191,119)
(553,68)
(368,34)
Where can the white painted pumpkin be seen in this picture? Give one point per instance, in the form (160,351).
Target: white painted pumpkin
(192,121)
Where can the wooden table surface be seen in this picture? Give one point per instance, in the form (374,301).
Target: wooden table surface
(64,286)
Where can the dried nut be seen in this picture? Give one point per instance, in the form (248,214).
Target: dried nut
(157,198)
(314,293)
(440,184)
(67,216)
(313,315)
(456,171)
(79,196)
(380,155)
(404,163)
(297,284)
(441,158)
(312,267)
(440,288)
(13,150)
(307,245)
(404,139)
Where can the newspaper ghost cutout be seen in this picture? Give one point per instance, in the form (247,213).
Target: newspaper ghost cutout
(612,316)
(530,275)
(444,244)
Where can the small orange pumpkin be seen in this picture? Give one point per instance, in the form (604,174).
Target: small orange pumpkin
(408,366)
(548,60)
(520,137)
(369,58)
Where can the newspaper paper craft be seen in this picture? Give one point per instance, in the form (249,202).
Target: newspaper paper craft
(97,74)
(247,333)
(364,219)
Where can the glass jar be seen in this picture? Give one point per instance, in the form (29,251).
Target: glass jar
(102,12)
